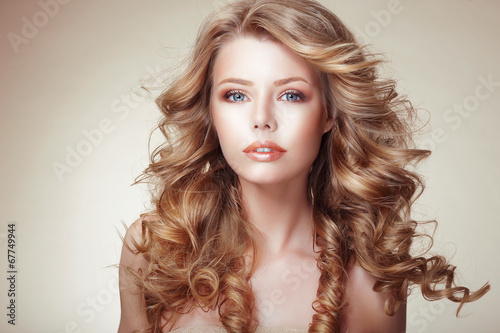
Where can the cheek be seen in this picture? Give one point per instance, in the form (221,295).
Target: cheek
(231,140)
(309,132)
(228,129)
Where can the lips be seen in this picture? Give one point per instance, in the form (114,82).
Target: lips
(264,151)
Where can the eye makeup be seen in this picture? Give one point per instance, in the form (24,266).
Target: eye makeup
(235,96)
(291,95)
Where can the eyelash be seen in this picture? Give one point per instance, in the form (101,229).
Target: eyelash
(300,95)
(230,93)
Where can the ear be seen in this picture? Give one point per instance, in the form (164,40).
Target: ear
(328,124)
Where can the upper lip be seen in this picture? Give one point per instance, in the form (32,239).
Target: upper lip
(263,144)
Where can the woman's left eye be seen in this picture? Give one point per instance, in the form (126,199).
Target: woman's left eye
(292,96)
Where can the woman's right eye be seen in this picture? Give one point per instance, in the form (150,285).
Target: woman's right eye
(235,96)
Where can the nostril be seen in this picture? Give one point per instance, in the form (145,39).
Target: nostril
(265,126)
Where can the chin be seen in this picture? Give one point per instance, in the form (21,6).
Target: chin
(274,177)
(265,181)
(270,173)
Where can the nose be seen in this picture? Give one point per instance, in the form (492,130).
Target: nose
(264,117)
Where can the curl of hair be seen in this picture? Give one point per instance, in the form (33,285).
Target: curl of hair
(197,239)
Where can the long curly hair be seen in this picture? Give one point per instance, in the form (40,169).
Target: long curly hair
(362,184)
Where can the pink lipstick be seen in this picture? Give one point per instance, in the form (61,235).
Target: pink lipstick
(264,151)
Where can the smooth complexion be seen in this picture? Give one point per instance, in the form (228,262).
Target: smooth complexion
(267,108)
(266,97)
(263,92)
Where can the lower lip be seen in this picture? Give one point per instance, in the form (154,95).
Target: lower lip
(265,157)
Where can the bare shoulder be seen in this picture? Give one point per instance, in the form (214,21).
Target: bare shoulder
(133,308)
(133,235)
(365,312)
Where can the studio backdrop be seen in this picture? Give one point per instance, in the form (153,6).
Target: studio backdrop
(75,125)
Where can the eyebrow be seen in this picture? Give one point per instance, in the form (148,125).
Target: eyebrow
(277,83)
(238,81)
(288,80)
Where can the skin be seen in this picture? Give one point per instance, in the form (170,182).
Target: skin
(263,91)
(289,114)
(278,99)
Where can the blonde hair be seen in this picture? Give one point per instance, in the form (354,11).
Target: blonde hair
(360,185)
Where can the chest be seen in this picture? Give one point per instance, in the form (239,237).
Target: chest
(284,292)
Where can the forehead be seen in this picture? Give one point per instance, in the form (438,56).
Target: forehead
(260,59)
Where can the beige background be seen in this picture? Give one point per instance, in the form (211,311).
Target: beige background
(78,70)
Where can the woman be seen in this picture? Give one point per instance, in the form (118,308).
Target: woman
(282,193)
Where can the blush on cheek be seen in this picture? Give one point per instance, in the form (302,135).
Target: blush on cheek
(253,67)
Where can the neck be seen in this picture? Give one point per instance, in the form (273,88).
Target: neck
(282,213)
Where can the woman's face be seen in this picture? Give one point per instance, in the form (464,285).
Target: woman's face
(267,107)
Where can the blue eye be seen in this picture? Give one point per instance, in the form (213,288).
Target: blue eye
(235,96)
(292,96)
